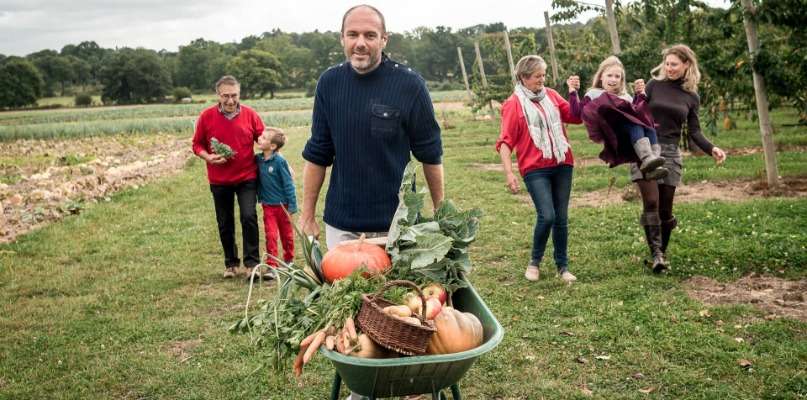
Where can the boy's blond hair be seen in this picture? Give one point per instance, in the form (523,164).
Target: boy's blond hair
(277,138)
(609,62)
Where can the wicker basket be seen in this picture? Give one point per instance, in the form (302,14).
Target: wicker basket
(390,332)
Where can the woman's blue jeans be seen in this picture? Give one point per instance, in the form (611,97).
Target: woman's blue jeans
(550,189)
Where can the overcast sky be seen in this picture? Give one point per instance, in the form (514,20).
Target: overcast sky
(27,26)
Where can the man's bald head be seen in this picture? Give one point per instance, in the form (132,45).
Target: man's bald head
(371,8)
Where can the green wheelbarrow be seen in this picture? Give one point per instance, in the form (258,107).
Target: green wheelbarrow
(391,377)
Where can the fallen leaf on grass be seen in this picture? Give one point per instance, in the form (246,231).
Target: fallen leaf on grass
(745,363)
(647,390)
(586,391)
(564,333)
(638,376)
(739,340)
(581,360)
(603,357)
(705,313)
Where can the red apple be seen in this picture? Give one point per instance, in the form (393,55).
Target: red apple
(433,307)
(437,291)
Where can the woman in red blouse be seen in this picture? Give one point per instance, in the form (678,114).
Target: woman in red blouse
(532,126)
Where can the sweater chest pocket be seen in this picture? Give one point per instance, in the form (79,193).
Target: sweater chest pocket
(385,121)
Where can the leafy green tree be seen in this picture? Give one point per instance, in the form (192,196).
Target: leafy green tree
(325,49)
(298,62)
(90,52)
(497,68)
(782,58)
(134,76)
(21,83)
(42,60)
(436,53)
(196,64)
(258,72)
(82,71)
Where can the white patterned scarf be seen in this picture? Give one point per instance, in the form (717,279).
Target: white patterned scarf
(545,128)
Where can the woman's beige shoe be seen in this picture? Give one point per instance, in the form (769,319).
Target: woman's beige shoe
(532,273)
(229,272)
(567,277)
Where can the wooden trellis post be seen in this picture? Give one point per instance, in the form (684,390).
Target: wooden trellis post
(765,127)
(510,57)
(482,72)
(609,13)
(481,66)
(551,42)
(465,75)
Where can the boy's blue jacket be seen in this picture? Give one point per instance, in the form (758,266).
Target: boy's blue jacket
(275,185)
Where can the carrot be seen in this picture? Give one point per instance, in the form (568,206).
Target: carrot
(310,338)
(298,361)
(329,342)
(312,349)
(346,343)
(351,329)
(340,344)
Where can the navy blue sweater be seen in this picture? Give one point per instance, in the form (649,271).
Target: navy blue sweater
(366,126)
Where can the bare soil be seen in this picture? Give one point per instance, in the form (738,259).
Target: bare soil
(698,192)
(47,185)
(182,350)
(775,296)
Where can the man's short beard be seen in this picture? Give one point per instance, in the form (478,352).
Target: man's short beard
(365,66)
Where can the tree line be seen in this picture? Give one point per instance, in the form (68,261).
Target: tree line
(279,60)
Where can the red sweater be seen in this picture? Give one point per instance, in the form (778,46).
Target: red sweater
(516,135)
(240,133)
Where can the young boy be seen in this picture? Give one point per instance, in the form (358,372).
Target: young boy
(276,194)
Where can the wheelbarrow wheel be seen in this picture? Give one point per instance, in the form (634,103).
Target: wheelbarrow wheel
(337,385)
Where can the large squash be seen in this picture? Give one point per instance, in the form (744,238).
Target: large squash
(456,331)
(340,261)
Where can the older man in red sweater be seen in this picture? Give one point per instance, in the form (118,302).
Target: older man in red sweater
(232,176)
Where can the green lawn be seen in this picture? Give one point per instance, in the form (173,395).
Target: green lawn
(126,300)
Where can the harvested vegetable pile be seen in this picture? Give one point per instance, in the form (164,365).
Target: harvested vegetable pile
(307,311)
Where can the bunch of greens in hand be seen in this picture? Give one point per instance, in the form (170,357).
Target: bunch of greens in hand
(432,249)
(222,149)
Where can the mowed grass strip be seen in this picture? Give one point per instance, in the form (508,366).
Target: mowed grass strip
(126,300)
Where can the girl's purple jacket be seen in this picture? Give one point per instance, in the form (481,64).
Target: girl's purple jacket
(605,118)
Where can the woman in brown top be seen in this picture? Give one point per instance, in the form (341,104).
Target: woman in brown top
(672,96)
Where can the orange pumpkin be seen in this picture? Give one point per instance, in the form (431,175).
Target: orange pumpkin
(456,331)
(342,260)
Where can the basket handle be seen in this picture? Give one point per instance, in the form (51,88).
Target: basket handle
(411,285)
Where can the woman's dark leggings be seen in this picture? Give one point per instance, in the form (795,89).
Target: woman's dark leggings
(657,198)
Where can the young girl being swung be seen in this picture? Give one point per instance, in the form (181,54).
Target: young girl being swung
(621,123)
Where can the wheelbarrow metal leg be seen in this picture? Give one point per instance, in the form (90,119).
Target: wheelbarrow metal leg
(337,384)
(455,391)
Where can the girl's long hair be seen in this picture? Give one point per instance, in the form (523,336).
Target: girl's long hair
(692,75)
(609,62)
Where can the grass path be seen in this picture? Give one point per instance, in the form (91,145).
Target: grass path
(125,301)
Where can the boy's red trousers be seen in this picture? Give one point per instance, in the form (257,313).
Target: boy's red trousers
(276,221)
